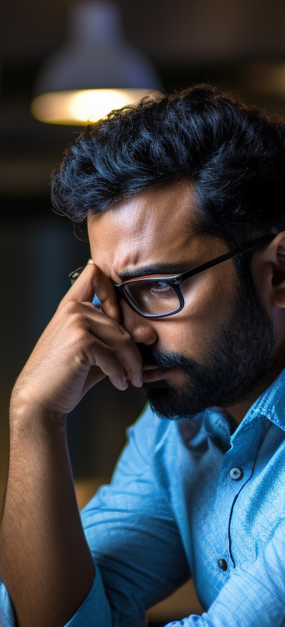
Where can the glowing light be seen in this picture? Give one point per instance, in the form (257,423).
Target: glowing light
(81,107)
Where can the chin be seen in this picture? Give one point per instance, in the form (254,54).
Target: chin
(167,402)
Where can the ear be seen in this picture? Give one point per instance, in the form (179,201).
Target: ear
(278,271)
(269,271)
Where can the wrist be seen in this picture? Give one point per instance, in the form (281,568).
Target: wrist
(26,413)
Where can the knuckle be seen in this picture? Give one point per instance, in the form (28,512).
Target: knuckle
(83,357)
(76,315)
(87,350)
(124,332)
(78,336)
(69,308)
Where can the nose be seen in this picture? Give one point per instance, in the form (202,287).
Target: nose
(141,329)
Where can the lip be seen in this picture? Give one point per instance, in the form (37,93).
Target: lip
(154,373)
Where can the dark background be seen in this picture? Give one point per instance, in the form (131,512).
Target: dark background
(238,45)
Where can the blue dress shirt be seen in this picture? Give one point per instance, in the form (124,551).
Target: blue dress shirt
(199,499)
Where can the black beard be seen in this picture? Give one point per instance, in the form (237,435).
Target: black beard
(233,368)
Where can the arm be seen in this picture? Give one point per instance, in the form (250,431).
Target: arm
(45,561)
(133,537)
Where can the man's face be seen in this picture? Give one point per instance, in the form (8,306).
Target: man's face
(217,350)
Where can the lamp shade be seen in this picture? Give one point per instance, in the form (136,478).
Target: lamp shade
(94,66)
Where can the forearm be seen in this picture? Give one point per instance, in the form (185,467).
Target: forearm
(45,560)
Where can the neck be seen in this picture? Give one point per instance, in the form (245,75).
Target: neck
(239,410)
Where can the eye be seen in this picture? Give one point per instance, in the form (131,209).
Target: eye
(159,287)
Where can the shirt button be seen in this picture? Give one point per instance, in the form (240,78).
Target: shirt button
(222,564)
(236,474)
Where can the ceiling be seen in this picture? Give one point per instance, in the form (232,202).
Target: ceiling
(227,42)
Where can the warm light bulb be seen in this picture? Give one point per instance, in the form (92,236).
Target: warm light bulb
(81,107)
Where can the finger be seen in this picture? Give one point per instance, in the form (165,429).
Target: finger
(93,281)
(96,375)
(109,362)
(106,294)
(114,336)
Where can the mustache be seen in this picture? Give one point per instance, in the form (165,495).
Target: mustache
(163,360)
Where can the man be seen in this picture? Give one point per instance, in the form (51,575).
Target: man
(182,200)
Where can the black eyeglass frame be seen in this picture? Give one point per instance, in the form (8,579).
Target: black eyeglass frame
(175,281)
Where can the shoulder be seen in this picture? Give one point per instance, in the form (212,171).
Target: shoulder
(150,430)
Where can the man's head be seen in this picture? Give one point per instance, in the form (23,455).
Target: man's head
(233,155)
(169,185)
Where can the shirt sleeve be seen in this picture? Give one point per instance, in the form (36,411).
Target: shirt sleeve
(131,529)
(133,537)
(94,611)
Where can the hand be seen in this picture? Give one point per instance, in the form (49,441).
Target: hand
(79,347)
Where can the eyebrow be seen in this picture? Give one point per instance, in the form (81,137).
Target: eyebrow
(161,268)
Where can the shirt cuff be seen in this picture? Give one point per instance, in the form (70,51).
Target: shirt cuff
(7,616)
(95,609)
(93,612)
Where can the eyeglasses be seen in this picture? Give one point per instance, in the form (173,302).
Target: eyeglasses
(161,296)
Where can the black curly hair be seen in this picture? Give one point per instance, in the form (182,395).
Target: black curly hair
(233,153)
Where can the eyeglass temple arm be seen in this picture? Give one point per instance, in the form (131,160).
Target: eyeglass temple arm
(233,253)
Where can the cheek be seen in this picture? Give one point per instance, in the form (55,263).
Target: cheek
(208,308)
(211,296)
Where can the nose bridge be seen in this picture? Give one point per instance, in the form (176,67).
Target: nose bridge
(142,330)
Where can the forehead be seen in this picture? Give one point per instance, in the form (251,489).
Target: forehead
(153,226)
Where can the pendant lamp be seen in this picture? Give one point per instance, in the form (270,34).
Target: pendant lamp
(95,71)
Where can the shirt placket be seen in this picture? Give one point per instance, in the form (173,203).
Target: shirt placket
(236,471)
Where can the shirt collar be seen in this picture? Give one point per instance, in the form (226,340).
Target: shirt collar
(221,426)
(270,404)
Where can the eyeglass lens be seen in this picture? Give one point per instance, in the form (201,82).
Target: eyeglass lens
(153,297)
